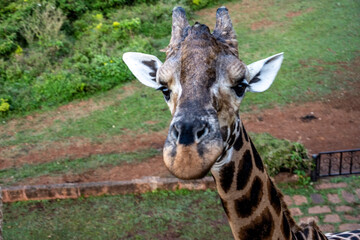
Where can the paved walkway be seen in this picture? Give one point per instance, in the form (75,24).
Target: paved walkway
(330,210)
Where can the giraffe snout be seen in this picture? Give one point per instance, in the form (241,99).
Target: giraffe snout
(192,146)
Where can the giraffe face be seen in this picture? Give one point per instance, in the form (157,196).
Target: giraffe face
(203,82)
(198,79)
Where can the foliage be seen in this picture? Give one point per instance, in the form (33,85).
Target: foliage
(281,155)
(43,24)
(78,33)
(304,179)
(52,52)
(4,106)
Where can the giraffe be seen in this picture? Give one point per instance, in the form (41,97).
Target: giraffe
(203,82)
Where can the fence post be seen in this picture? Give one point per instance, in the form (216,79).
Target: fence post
(314,169)
(1,215)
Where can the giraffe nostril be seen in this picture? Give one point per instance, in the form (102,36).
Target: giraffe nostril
(202,132)
(188,132)
(175,132)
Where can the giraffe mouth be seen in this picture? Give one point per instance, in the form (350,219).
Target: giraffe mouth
(192,147)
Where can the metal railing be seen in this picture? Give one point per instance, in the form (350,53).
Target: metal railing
(335,163)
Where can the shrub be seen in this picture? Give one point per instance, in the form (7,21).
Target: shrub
(281,155)
(54,88)
(105,72)
(4,106)
(54,51)
(43,24)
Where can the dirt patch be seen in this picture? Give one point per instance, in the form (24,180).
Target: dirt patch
(293,14)
(265,23)
(332,128)
(74,148)
(127,171)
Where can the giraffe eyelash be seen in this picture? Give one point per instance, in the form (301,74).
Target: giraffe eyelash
(166,91)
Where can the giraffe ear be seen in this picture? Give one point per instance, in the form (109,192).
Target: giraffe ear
(144,67)
(262,73)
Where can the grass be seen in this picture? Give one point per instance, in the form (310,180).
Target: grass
(10,176)
(157,215)
(316,40)
(181,214)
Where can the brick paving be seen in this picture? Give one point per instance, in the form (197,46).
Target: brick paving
(333,198)
(323,186)
(350,198)
(317,198)
(299,199)
(357,191)
(334,206)
(343,208)
(349,226)
(332,218)
(319,209)
(295,212)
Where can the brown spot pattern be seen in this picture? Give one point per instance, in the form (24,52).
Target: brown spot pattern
(258,162)
(238,143)
(261,228)
(225,206)
(227,175)
(246,205)
(244,170)
(245,133)
(274,197)
(285,228)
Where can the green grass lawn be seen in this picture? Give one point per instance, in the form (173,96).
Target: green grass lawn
(180,214)
(315,41)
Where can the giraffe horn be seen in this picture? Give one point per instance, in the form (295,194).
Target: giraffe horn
(179,23)
(224,28)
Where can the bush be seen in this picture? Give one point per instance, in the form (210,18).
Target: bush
(53,88)
(52,52)
(281,155)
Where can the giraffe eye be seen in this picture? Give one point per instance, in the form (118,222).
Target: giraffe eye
(166,92)
(240,89)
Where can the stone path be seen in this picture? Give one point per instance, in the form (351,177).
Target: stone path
(330,210)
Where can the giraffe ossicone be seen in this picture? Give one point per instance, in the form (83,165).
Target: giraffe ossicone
(203,82)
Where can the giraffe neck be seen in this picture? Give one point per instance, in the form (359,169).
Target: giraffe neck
(253,205)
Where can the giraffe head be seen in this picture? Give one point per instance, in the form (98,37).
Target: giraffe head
(203,82)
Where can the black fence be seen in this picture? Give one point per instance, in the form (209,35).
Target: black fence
(336,163)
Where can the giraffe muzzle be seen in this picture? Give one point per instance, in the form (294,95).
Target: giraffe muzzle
(191,148)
